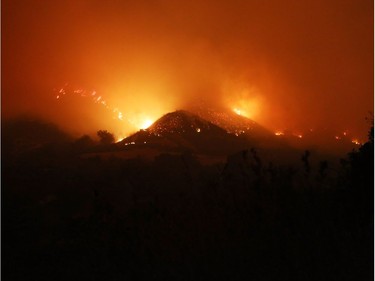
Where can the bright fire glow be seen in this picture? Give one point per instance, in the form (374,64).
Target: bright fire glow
(145,124)
(92,94)
(237,111)
(129,112)
(279,133)
(119,116)
(141,121)
(245,100)
(355,141)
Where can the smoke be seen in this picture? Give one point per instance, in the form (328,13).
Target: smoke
(287,64)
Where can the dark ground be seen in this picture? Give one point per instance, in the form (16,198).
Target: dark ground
(65,217)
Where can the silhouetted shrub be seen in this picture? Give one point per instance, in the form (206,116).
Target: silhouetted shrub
(83,144)
(105,137)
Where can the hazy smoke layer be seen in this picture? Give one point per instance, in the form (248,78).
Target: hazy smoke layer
(287,64)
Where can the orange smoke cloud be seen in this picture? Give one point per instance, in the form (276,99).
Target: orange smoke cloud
(268,60)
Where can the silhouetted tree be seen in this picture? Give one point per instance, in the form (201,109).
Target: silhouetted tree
(323,166)
(305,160)
(362,166)
(105,137)
(83,144)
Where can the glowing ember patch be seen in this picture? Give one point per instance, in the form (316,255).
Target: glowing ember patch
(198,130)
(344,133)
(355,141)
(133,118)
(337,137)
(96,99)
(278,133)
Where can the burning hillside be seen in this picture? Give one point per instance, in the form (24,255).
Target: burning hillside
(183,130)
(231,121)
(182,121)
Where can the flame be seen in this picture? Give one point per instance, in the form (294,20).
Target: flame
(84,94)
(145,124)
(119,116)
(141,121)
(125,103)
(279,133)
(355,141)
(237,111)
(248,108)
(243,99)
(120,139)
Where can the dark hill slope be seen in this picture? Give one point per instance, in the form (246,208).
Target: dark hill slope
(182,131)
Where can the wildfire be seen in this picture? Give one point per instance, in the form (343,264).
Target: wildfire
(237,111)
(145,124)
(119,116)
(242,98)
(137,120)
(120,139)
(355,141)
(91,94)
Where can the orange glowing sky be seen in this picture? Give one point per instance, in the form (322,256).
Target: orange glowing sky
(285,64)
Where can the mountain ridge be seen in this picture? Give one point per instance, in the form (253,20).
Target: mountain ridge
(183,130)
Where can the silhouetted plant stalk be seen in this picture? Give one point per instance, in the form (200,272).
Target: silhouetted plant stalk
(305,160)
(257,169)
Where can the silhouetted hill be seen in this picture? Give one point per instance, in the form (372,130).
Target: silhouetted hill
(67,216)
(240,125)
(182,131)
(318,139)
(185,131)
(232,122)
(26,134)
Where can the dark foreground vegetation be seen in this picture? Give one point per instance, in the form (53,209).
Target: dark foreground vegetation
(68,217)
